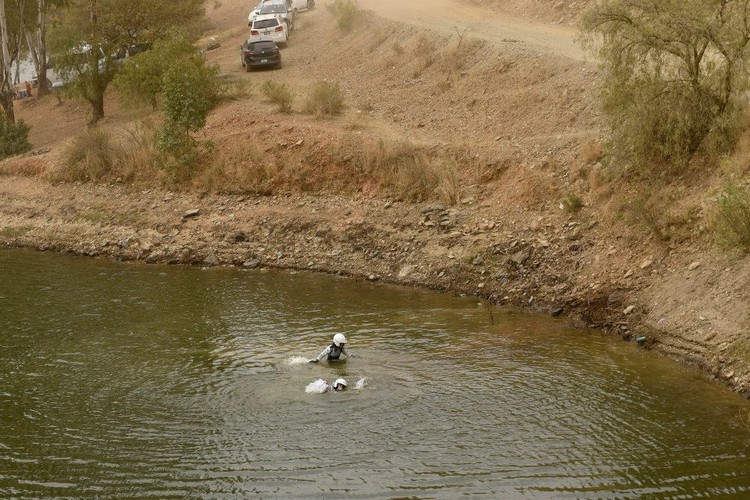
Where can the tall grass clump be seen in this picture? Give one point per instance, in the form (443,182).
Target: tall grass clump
(279,94)
(139,159)
(89,157)
(232,89)
(325,98)
(409,172)
(732,216)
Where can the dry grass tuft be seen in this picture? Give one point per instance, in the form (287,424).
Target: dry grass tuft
(89,157)
(409,172)
(325,99)
(591,151)
(23,167)
(279,94)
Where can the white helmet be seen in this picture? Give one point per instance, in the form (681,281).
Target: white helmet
(339,381)
(339,339)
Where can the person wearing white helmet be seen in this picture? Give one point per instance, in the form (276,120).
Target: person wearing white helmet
(320,386)
(334,351)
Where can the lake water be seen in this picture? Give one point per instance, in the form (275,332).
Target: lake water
(121,380)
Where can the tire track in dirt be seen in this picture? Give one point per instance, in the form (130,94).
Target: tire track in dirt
(447,16)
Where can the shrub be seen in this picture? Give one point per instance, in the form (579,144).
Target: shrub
(190,91)
(346,12)
(279,94)
(141,77)
(325,98)
(673,82)
(732,216)
(89,157)
(235,88)
(649,209)
(139,159)
(572,203)
(14,138)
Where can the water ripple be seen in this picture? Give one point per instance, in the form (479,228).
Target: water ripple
(146,382)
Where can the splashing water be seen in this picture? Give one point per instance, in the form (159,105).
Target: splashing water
(296,360)
(317,387)
(361,383)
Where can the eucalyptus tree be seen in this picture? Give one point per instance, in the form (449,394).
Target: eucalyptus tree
(12,14)
(674,74)
(90,36)
(35,35)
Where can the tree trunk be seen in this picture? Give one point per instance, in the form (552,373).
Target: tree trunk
(41,52)
(6,79)
(97,107)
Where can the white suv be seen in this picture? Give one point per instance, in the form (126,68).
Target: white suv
(292,7)
(268,27)
(302,4)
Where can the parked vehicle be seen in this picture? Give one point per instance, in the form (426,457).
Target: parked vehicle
(254,13)
(260,54)
(282,8)
(286,7)
(304,4)
(268,27)
(292,7)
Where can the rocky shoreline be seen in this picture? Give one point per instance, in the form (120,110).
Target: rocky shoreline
(553,264)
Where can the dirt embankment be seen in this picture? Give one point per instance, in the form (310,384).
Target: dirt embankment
(518,110)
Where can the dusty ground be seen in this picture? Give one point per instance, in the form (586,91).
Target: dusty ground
(501,86)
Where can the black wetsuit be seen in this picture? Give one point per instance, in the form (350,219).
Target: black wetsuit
(332,353)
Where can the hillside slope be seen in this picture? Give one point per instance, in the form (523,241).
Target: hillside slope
(512,102)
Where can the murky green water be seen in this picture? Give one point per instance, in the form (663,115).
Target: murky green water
(124,380)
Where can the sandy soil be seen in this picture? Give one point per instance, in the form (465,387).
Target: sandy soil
(517,107)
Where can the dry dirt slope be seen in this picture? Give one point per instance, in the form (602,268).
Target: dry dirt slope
(520,115)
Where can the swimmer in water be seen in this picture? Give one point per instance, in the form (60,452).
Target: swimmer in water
(334,351)
(339,385)
(320,386)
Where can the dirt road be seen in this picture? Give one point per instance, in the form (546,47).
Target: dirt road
(449,17)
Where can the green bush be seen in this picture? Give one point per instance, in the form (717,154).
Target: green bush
(141,78)
(190,91)
(732,216)
(279,94)
(325,98)
(572,203)
(14,138)
(673,79)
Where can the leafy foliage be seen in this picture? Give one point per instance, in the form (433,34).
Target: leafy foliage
(190,91)
(141,78)
(14,138)
(674,74)
(89,36)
